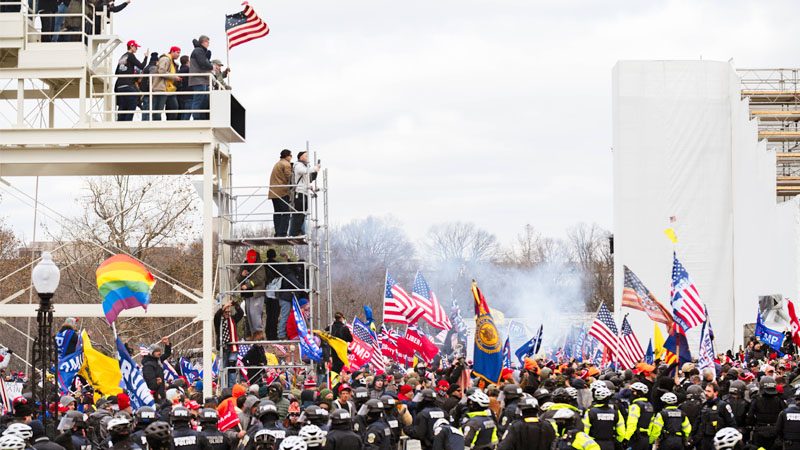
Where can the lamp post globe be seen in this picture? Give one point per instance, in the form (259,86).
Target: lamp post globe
(45,276)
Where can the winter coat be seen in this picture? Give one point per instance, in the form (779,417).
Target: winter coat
(255,280)
(152,369)
(165,66)
(280,178)
(199,62)
(302,173)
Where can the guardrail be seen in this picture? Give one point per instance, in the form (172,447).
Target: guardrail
(59,25)
(123,101)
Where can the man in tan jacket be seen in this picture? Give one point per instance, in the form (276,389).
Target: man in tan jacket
(165,85)
(280,191)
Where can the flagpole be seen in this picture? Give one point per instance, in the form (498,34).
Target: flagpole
(228,57)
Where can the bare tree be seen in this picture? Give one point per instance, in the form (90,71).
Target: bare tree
(136,214)
(461,242)
(9,244)
(590,250)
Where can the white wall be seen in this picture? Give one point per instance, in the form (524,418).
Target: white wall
(684,146)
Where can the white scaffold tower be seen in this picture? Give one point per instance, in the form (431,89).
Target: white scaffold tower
(59,119)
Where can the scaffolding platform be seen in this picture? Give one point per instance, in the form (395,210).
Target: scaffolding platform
(266,241)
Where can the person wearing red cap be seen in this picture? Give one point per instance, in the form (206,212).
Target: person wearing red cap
(124,403)
(252,284)
(166,84)
(127,65)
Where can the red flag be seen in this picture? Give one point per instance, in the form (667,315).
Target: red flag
(360,353)
(421,344)
(794,323)
(228,419)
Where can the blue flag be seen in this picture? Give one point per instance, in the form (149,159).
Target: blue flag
(132,378)
(706,346)
(507,354)
(488,355)
(525,350)
(188,370)
(649,356)
(773,338)
(170,374)
(538,340)
(308,346)
(69,365)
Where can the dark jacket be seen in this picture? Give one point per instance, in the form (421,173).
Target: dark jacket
(153,369)
(199,62)
(237,315)
(127,65)
(255,280)
(184,83)
(255,357)
(339,330)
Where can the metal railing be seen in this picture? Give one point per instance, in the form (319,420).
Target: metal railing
(58,26)
(109,103)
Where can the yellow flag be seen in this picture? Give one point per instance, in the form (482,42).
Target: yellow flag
(272,360)
(338,345)
(670,232)
(101,371)
(658,342)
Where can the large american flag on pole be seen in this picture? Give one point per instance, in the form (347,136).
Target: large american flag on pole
(362,331)
(605,330)
(397,304)
(686,304)
(630,350)
(426,299)
(244,26)
(635,295)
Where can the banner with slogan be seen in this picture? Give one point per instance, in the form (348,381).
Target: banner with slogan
(773,338)
(360,353)
(132,377)
(68,367)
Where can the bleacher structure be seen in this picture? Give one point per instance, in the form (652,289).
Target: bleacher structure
(774,96)
(57,118)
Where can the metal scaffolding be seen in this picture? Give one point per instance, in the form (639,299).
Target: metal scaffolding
(774,96)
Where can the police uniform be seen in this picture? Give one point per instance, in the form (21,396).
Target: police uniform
(528,433)
(763,414)
(185,438)
(216,439)
(447,437)
(787,427)
(342,439)
(605,425)
(714,416)
(508,415)
(138,437)
(360,425)
(422,426)
(637,430)
(480,430)
(377,436)
(671,428)
(575,439)
(394,427)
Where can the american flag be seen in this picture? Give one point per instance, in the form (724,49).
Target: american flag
(635,295)
(362,331)
(144,350)
(243,349)
(244,26)
(397,304)
(424,296)
(605,330)
(686,304)
(630,350)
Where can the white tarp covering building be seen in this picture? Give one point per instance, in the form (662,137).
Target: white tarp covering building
(684,146)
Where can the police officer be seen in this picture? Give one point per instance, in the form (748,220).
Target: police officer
(567,436)
(529,432)
(341,436)
(216,439)
(73,432)
(265,440)
(670,427)
(447,437)
(640,413)
(563,399)
(313,436)
(422,426)
(715,415)
(314,415)
(360,397)
(184,437)
(119,431)
(480,430)
(603,422)
(787,427)
(159,436)
(739,404)
(267,414)
(391,419)
(143,417)
(377,435)
(764,412)
(511,395)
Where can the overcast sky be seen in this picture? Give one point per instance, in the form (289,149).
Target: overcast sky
(497,112)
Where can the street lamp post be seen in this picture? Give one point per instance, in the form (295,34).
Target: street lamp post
(45,277)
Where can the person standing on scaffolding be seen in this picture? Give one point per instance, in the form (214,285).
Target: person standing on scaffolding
(252,282)
(304,175)
(279,189)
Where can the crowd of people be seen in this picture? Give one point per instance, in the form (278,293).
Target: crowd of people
(741,403)
(167,82)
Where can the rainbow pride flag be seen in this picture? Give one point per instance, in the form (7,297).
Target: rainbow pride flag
(124,283)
